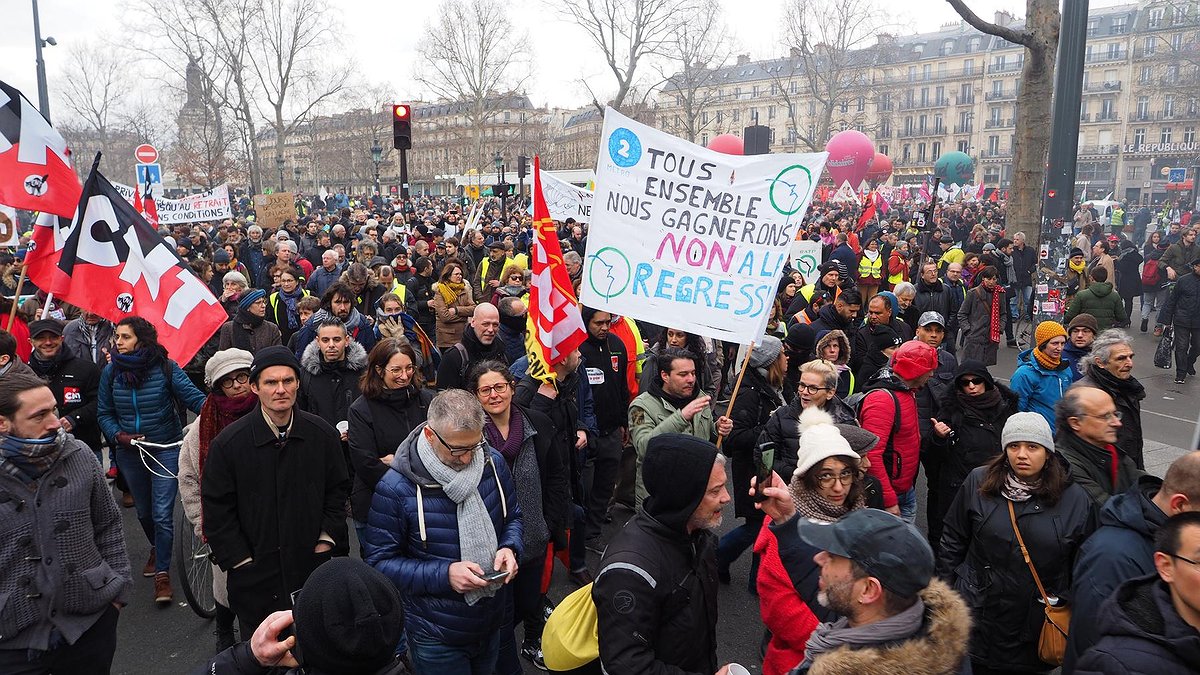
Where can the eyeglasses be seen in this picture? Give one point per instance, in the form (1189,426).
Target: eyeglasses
(1107,417)
(846,477)
(1194,563)
(397,370)
(498,388)
(970,381)
(240,378)
(458,452)
(811,389)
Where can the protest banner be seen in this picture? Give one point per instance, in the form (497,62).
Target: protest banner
(8,226)
(271,210)
(684,236)
(806,258)
(204,206)
(566,200)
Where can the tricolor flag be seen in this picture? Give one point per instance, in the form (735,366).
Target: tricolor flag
(117,265)
(35,165)
(556,327)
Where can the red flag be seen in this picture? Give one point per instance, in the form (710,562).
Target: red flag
(150,209)
(117,265)
(35,165)
(137,200)
(557,328)
(995,198)
(41,261)
(868,213)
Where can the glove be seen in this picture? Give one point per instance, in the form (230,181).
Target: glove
(126,439)
(391,328)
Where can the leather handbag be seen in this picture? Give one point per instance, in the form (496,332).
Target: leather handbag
(1052,644)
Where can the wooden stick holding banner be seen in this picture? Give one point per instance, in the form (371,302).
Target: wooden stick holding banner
(736,386)
(46,307)
(12,313)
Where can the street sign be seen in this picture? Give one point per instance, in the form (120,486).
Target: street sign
(146,154)
(1177,175)
(148,173)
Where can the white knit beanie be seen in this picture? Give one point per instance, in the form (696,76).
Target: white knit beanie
(1029,427)
(820,440)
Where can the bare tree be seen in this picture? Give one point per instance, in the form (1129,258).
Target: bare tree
(629,33)
(700,47)
(475,57)
(1032,140)
(94,91)
(829,65)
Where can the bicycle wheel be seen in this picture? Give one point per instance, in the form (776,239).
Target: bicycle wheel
(191,558)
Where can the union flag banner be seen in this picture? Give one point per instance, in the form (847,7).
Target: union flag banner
(35,165)
(556,326)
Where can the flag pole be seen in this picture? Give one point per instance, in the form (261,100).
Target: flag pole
(736,386)
(46,307)
(12,313)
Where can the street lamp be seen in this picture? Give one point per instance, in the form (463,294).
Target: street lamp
(376,157)
(297,173)
(501,186)
(43,93)
(279,165)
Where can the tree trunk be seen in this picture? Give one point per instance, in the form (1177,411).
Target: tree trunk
(1032,140)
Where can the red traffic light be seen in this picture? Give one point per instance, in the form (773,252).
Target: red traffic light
(400,112)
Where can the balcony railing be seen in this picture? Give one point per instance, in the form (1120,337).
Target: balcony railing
(999,124)
(1000,95)
(964,128)
(1004,67)
(996,154)
(918,105)
(964,100)
(1102,87)
(1099,117)
(1107,55)
(1107,149)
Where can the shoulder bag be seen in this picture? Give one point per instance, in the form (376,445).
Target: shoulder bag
(1052,644)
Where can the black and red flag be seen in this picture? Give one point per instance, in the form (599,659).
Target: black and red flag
(117,265)
(35,165)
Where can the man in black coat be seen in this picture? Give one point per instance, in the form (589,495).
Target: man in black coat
(1182,312)
(1151,624)
(1109,367)
(840,314)
(656,592)
(480,342)
(932,293)
(606,362)
(330,368)
(75,381)
(275,489)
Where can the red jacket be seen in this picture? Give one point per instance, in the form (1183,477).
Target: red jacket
(20,333)
(877,415)
(784,613)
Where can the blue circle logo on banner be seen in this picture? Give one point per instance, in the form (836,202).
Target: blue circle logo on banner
(624,147)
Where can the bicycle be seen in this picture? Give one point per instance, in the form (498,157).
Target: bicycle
(192,553)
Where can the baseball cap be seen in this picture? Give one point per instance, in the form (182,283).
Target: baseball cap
(40,326)
(888,548)
(931,317)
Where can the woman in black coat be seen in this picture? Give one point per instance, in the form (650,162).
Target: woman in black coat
(392,404)
(539,466)
(1129,275)
(967,434)
(980,557)
(760,395)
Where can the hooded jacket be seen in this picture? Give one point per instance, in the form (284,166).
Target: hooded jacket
(412,537)
(656,591)
(1127,395)
(981,560)
(1100,301)
(1141,632)
(377,427)
(452,372)
(846,380)
(328,389)
(650,415)
(974,439)
(877,413)
(1038,388)
(1122,548)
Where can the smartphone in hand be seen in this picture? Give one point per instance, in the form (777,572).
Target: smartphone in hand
(494,575)
(764,463)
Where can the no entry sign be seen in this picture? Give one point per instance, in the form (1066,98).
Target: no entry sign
(146,154)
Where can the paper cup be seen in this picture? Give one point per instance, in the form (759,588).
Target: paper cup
(737,669)
(343,427)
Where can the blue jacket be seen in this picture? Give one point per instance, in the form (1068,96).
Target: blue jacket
(1122,548)
(412,537)
(1141,632)
(149,409)
(1072,356)
(1038,388)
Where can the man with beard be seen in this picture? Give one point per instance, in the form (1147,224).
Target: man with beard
(656,592)
(249,329)
(607,362)
(330,368)
(839,314)
(1081,333)
(670,405)
(480,342)
(337,302)
(274,493)
(66,568)
(75,381)
(1110,369)
(827,282)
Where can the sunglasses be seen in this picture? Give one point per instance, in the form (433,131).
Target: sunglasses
(970,381)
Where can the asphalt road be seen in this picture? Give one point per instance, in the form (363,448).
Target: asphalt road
(174,640)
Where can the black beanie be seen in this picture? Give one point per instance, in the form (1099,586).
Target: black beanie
(348,618)
(974,367)
(676,472)
(275,355)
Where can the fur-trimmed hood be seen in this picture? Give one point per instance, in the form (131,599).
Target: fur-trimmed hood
(842,340)
(938,649)
(356,357)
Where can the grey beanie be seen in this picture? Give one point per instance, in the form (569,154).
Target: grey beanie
(765,352)
(1030,427)
(225,362)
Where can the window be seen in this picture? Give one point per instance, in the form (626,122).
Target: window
(862,104)
(771,112)
(965,93)
(939,127)
(1108,108)
(906,154)
(737,115)
(843,106)
(908,125)
(964,121)
(1172,72)
(774,89)
(926,70)
(973,46)
(969,65)
(883,149)
(1179,15)
(921,123)
(1135,173)
(1192,106)
(935,150)
(754,91)
(920,152)
(1189,135)
(997,88)
(1119,25)
(1144,75)
(1177,42)
(947,47)
(1169,105)
(1143,107)
(996,112)
(792,87)
(993,145)
(963,146)
(704,117)
(924,96)
(1114,50)
(1149,45)
(1156,17)
(1139,136)
(885,130)
(704,139)
(1093,28)
(1164,135)
(939,95)
(1101,171)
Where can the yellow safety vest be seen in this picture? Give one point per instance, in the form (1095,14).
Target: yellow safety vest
(870,270)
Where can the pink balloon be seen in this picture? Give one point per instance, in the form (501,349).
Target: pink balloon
(881,168)
(850,155)
(728,144)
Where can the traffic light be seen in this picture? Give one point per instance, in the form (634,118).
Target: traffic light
(522,166)
(402,126)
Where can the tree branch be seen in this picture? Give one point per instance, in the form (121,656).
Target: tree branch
(1017,37)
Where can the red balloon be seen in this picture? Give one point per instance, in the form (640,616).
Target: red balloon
(881,169)
(850,153)
(728,144)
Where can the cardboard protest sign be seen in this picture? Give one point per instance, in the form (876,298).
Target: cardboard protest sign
(687,237)
(271,210)
(806,258)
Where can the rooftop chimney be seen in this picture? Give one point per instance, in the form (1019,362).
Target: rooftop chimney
(1004,18)
(743,59)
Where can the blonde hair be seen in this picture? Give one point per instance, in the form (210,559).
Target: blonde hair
(823,368)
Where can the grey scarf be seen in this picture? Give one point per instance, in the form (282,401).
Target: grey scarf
(476,536)
(1017,490)
(528,480)
(830,636)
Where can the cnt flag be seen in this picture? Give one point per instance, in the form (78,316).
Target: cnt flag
(556,327)
(35,165)
(117,265)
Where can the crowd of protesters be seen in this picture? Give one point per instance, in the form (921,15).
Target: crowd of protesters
(370,397)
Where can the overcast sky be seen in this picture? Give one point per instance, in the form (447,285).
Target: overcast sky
(383,37)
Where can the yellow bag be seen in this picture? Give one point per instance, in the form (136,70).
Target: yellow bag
(570,638)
